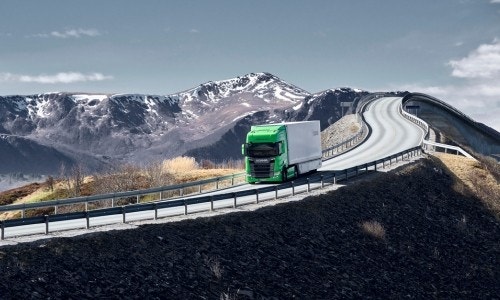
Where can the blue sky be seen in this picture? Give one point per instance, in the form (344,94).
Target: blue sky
(447,48)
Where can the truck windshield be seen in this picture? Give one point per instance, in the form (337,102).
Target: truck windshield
(263,149)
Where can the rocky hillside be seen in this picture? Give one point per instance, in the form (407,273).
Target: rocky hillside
(107,129)
(416,233)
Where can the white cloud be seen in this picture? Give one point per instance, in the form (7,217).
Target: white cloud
(194,31)
(70,33)
(63,77)
(478,96)
(495,1)
(483,62)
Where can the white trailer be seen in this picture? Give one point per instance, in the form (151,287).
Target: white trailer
(304,145)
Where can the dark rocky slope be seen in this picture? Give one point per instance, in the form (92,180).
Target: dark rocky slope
(406,234)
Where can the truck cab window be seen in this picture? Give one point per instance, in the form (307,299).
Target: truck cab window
(263,150)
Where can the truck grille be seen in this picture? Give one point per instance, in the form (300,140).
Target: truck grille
(262,170)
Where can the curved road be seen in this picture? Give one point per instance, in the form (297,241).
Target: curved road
(391,133)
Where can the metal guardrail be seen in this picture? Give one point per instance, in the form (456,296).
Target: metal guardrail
(120,195)
(321,178)
(416,120)
(453,149)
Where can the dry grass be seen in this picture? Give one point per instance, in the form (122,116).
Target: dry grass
(181,164)
(124,178)
(354,128)
(476,176)
(374,229)
(195,175)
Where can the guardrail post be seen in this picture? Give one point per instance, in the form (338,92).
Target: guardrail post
(181,192)
(257,195)
(185,208)
(86,206)
(334,179)
(87,218)
(232,180)
(211,203)
(275,192)
(199,189)
(161,195)
(138,199)
(155,205)
(2,235)
(23,212)
(55,209)
(234,200)
(46,224)
(113,202)
(308,185)
(322,182)
(375,165)
(123,214)
(293,188)
(217,183)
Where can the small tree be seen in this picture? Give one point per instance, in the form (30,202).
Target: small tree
(50,183)
(77,176)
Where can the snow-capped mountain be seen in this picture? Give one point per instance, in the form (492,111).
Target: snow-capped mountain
(100,129)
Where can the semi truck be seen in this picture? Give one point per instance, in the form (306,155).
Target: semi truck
(278,152)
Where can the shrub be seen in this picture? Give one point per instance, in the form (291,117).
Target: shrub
(179,164)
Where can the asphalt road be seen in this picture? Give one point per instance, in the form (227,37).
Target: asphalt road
(391,133)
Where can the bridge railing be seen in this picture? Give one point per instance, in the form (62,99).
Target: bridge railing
(423,97)
(428,145)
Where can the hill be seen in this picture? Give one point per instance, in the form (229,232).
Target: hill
(416,232)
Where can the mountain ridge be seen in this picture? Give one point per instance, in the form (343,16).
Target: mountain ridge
(139,128)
